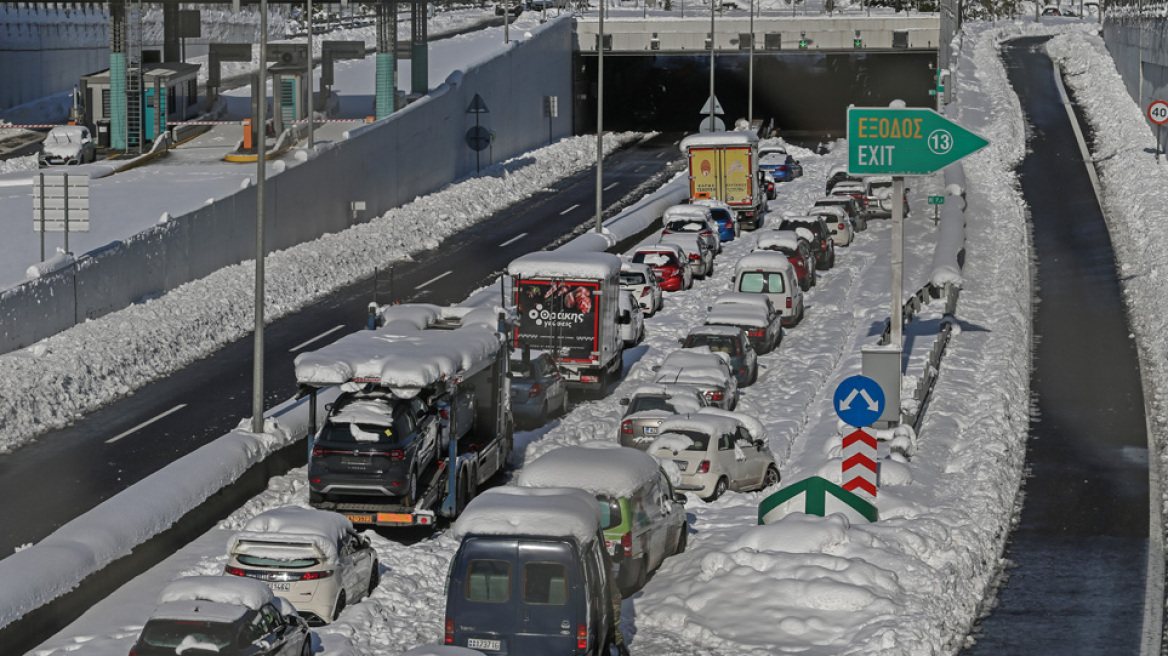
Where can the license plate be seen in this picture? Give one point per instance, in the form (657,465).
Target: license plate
(476,643)
(681,464)
(278,586)
(650,430)
(357,463)
(360,519)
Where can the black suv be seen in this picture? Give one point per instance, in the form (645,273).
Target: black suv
(373,444)
(822,246)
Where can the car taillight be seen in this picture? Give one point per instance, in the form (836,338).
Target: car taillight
(695,256)
(589,379)
(316,576)
(627,543)
(704,467)
(317,452)
(582,637)
(842,227)
(715,395)
(536,390)
(756,333)
(627,427)
(450,630)
(789,306)
(235,571)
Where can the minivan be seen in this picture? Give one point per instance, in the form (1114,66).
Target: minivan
(531,575)
(769,272)
(642,518)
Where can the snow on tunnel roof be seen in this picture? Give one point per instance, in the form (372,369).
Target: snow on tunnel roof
(212,598)
(718,139)
(599,467)
(545,264)
(399,360)
(773,239)
(542,512)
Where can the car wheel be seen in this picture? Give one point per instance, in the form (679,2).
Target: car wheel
(683,539)
(719,489)
(542,418)
(771,477)
(374,578)
(306,648)
(564,405)
(340,606)
(754,375)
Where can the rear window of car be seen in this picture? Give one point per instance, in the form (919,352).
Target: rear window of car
(716,343)
(610,513)
(655,259)
(757,282)
(545,584)
(367,433)
(273,563)
(646,403)
(684,225)
(633,278)
(488,581)
(168,634)
(721,216)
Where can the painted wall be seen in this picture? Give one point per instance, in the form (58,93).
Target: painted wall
(385,164)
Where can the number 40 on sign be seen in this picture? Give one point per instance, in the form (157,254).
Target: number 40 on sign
(1158,114)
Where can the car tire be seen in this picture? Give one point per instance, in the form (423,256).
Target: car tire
(374,578)
(754,375)
(771,477)
(564,405)
(682,539)
(306,648)
(339,607)
(719,489)
(542,418)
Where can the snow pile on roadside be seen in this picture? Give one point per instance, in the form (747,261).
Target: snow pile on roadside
(25,163)
(1135,203)
(43,387)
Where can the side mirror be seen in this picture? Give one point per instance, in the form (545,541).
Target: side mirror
(679,498)
(681,341)
(624,401)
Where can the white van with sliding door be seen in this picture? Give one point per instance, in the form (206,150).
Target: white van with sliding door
(771,273)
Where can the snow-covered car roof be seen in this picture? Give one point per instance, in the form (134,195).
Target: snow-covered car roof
(637,267)
(676,394)
(599,467)
(701,422)
(718,139)
(695,357)
(211,598)
(544,512)
(418,315)
(835,170)
(750,423)
(402,361)
(572,266)
(716,329)
(833,200)
(878,179)
(274,531)
(832,210)
(714,202)
(761,301)
(738,315)
(772,148)
(803,218)
(658,247)
(772,156)
(67,134)
(695,366)
(778,239)
(700,212)
(689,242)
(763,260)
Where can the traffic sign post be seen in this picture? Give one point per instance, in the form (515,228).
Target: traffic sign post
(478,137)
(859,401)
(936,202)
(1158,114)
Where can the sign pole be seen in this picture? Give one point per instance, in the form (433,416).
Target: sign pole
(42,178)
(1159,142)
(66,212)
(897,259)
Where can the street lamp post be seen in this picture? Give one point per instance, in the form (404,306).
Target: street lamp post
(600,124)
(712,66)
(257,397)
(750,73)
(311,121)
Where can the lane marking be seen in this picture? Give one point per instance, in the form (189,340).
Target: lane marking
(513,240)
(434,279)
(324,334)
(658,155)
(1083,150)
(570,209)
(147,423)
(611,186)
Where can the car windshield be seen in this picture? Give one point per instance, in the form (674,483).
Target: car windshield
(717,343)
(610,513)
(169,634)
(632,278)
(647,403)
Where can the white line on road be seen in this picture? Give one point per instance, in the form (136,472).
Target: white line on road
(657,155)
(570,209)
(324,334)
(434,279)
(513,240)
(611,186)
(147,423)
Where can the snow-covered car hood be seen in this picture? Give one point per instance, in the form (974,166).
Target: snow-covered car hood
(64,149)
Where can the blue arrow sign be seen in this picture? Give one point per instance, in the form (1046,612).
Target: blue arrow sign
(859,401)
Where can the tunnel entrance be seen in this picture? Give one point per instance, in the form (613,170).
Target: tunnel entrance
(805,95)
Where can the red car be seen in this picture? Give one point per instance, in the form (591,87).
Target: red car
(798,253)
(669,265)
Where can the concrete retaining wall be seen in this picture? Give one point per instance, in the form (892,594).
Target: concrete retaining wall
(1139,47)
(385,164)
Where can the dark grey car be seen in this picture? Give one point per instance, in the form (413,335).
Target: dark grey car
(732,341)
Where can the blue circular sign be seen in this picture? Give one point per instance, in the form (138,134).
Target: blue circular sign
(859,401)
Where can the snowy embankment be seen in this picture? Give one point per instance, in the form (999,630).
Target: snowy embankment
(53,382)
(1135,203)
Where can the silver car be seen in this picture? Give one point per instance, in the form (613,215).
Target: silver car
(649,405)
(732,341)
(716,451)
(704,369)
(693,219)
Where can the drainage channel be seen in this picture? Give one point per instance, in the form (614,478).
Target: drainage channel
(1078,556)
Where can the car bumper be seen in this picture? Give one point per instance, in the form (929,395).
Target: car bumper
(672,284)
(700,484)
(726,235)
(527,411)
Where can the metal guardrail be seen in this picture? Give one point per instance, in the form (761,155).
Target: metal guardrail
(924,386)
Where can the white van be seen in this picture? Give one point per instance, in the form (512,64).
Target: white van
(771,273)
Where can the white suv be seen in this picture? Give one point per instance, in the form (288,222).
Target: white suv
(312,558)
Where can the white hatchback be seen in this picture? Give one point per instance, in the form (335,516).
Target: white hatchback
(715,452)
(632,320)
(640,280)
(312,558)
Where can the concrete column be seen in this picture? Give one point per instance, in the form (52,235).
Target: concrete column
(419,63)
(386,80)
(171,43)
(117,58)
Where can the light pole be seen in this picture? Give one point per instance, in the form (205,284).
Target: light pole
(600,124)
(712,66)
(257,396)
(311,117)
(750,72)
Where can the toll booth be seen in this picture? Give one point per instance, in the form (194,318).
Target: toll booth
(288,89)
(170,91)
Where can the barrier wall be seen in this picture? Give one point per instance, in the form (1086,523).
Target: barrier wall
(385,164)
(1139,46)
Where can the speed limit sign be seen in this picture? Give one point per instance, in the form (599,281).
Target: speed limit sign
(1158,112)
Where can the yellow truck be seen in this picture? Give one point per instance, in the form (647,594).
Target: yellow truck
(724,166)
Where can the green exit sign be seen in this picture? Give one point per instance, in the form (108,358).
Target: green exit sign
(936,200)
(905,141)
